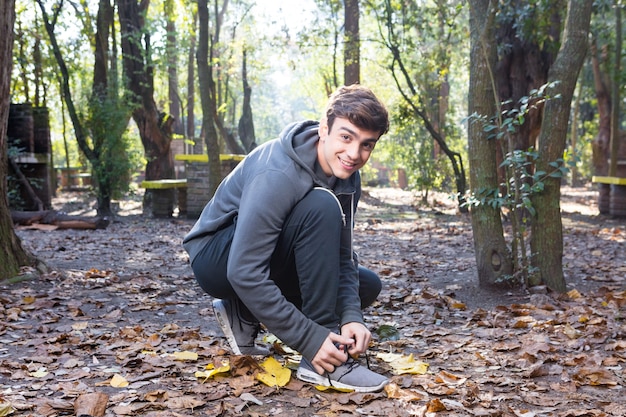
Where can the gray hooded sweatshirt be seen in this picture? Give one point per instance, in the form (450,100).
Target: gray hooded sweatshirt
(260,193)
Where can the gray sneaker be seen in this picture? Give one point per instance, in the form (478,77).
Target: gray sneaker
(239,333)
(350,375)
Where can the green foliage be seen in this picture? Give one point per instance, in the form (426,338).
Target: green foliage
(118,156)
(522,181)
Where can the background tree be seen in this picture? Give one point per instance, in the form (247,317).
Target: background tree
(155,126)
(547,229)
(407,66)
(171,52)
(493,258)
(12,254)
(100,134)
(352,43)
(207,97)
(533,187)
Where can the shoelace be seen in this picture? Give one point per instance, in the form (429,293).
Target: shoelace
(350,363)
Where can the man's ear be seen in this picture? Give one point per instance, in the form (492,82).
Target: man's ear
(322,130)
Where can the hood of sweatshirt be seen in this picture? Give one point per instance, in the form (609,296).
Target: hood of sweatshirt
(299,140)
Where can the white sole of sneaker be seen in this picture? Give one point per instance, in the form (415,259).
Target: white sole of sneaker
(222,319)
(317,379)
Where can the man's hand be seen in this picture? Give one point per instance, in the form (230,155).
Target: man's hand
(361,336)
(354,340)
(332,353)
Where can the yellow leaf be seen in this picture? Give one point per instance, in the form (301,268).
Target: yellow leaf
(39,373)
(6,409)
(275,374)
(185,356)
(118,381)
(29,299)
(574,294)
(325,388)
(211,371)
(403,364)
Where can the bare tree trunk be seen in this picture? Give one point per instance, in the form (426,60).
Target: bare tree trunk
(172,67)
(12,254)
(616,97)
(493,259)
(154,128)
(191,90)
(246,122)
(352,43)
(547,230)
(601,144)
(208,110)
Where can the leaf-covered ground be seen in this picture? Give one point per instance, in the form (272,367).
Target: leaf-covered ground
(120,322)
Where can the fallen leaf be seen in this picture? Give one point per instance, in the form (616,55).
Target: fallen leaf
(275,374)
(185,356)
(118,381)
(212,370)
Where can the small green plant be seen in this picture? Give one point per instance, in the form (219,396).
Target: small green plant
(514,196)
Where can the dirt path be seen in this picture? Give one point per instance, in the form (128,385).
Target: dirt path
(123,301)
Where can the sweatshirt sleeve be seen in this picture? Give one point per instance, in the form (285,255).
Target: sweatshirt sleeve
(264,206)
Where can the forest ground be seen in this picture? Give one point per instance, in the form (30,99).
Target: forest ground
(119,311)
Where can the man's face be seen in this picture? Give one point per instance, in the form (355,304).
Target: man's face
(345,149)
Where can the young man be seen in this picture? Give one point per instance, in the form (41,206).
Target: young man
(274,244)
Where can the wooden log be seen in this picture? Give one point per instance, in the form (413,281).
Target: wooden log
(58,219)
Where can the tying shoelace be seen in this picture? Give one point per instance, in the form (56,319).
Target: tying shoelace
(349,365)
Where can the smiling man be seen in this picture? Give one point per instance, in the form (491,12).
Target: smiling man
(274,244)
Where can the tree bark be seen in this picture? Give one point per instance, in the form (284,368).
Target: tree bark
(547,231)
(191,89)
(172,67)
(352,43)
(522,67)
(12,254)
(246,122)
(153,126)
(493,258)
(206,98)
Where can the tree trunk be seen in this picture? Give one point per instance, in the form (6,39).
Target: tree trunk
(522,67)
(172,67)
(246,122)
(12,254)
(616,96)
(154,128)
(206,98)
(601,143)
(92,150)
(547,231)
(352,42)
(493,259)
(191,90)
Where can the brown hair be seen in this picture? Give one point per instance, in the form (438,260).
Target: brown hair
(360,106)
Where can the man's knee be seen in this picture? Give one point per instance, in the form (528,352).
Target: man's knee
(369,286)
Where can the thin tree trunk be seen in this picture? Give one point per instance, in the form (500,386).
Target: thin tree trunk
(246,122)
(154,127)
(493,259)
(206,98)
(616,97)
(547,230)
(352,43)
